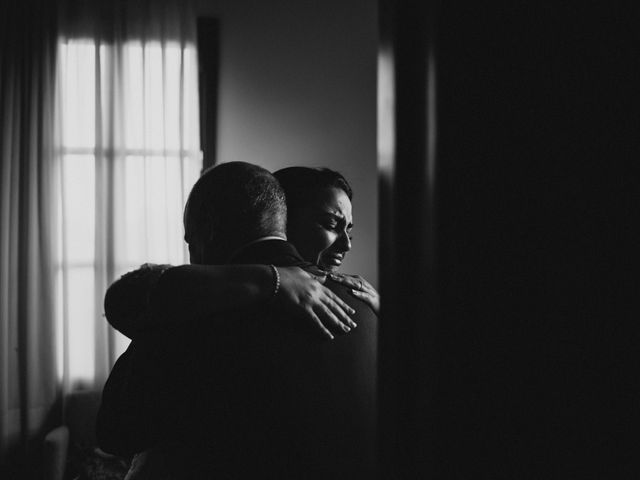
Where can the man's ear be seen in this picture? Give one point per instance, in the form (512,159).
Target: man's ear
(196,253)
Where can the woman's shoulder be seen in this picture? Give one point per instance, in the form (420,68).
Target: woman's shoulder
(126,301)
(135,286)
(145,272)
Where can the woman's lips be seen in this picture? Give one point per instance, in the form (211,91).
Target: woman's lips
(335,259)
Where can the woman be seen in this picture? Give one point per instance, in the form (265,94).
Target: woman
(319,225)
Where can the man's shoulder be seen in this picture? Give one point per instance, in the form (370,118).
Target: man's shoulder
(360,344)
(363,310)
(272,251)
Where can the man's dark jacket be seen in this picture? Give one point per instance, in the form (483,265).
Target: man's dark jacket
(252,394)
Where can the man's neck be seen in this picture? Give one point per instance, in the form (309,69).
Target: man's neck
(253,242)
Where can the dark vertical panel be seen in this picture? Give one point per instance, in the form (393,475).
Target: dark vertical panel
(208,64)
(536,104)
(530,368)
(408,359)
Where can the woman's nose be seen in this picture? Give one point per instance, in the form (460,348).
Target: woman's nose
(345,242)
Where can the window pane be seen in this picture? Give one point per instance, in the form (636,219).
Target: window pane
(191,129)
(162,225)
(172,73)
(121,343)
(153,96)
(153,201)
(77,72)
(133,92)
(78,208)
(138,179)
(108,88)
(81,323)
(133,240)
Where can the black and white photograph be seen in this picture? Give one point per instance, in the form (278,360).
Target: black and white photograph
(319,240)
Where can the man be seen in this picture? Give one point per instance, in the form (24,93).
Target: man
(251,395)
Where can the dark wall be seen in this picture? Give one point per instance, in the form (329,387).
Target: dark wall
(537,132)
(526,364)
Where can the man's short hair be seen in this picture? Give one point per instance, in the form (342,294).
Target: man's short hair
(232,204)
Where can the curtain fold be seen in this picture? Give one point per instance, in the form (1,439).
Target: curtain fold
(128,143)
(28,386)
(100,146)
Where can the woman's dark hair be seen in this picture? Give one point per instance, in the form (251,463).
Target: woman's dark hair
(301,184)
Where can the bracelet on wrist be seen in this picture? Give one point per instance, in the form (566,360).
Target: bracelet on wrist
(276,281)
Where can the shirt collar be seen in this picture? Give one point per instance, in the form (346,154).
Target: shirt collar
(253,242)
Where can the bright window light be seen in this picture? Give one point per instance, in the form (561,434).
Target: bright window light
(128,156)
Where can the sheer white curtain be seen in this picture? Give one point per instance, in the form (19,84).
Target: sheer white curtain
(127,155)
(27,357)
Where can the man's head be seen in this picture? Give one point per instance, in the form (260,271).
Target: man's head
(230,205)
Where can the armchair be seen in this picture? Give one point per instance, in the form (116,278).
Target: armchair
(73,440)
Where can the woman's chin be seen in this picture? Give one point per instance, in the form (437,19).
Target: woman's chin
(331,267)
(330,262)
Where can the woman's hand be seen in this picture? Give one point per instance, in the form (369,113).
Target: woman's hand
(360,288)
(302,294)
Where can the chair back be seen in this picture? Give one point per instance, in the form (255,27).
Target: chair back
(81,410)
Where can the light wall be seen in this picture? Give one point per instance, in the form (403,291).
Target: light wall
(298,87)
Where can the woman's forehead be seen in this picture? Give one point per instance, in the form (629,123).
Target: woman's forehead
(335,201)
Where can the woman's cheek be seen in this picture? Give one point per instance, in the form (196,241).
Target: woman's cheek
(328,240)
(318,245)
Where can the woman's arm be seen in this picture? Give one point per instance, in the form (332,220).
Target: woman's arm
(146,298)
(126,303)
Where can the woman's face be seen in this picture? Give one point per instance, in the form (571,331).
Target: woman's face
(321,231)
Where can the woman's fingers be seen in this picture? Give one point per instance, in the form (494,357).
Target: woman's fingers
(360,288)
(314,318)
(340,308)
(360,294)
(365,297)
(325,313)
(341,303)
(370,298)
(347,280)
(351,281)
(302,294)
(364,285)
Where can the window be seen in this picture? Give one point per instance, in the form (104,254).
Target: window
(128,154)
